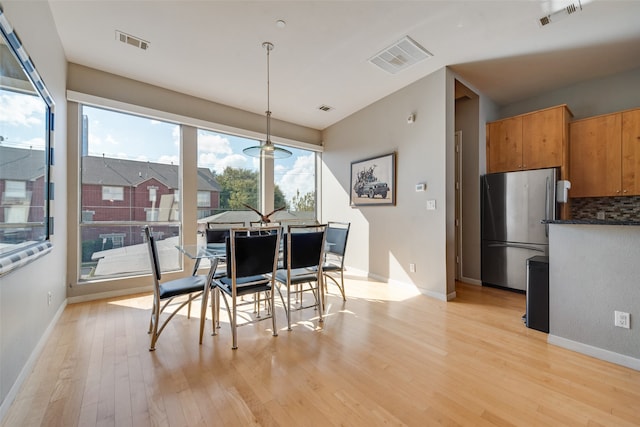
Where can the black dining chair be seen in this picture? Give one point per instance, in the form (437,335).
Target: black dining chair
(164,293)
(333,266)
(252,261)
(302,265)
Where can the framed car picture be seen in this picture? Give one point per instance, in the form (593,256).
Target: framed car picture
(373,181)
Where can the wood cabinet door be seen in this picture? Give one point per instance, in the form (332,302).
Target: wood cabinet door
(595,159)
(543,134)
(504,145)
(631,153)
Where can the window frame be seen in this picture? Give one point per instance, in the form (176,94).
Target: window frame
(111,191)
(84,99)
(30,250)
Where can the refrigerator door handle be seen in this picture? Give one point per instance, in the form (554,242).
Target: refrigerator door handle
(515,245)
(546,207)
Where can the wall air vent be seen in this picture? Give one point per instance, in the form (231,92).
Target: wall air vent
(325,108)
(132,40)
(560,14)
(402,54)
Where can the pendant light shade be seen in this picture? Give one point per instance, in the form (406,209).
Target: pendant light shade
(267,150)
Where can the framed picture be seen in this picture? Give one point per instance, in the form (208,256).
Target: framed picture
(373,181)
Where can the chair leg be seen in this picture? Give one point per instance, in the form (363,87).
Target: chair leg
(234,325)
(272,301)
(203,311)
(155,318)
(320,299)
(289,306)
(215,310)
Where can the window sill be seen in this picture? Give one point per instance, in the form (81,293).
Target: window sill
(16,260)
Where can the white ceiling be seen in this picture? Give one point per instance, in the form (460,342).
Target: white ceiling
(213,49)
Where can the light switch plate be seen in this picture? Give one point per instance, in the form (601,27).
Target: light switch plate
(431,205)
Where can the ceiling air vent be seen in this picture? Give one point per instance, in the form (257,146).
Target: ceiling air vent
(132,40)
(560,14)
(325,108)
(402,54)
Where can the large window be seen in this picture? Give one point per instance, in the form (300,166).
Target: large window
(233,176)
(237,177)
(295,177)
(129,178)
(25,119)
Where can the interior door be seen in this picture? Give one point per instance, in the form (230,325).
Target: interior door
(458,187)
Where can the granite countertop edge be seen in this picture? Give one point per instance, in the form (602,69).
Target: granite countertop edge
(589,222)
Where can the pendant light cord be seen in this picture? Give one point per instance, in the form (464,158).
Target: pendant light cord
(269,47)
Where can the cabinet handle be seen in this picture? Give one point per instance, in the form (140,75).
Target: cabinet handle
(624,191)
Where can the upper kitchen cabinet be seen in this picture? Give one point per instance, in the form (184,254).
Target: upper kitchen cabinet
(631,152)
(594,156)
(605,155)
(529,141)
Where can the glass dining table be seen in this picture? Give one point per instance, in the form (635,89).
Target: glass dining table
(214,252)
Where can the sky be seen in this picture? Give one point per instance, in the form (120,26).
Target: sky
(22,120)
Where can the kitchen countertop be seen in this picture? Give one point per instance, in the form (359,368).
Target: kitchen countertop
(590,222)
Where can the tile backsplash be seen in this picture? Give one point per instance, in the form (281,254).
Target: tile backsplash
(614,208)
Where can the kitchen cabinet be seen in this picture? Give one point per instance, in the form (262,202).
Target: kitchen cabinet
(631,152)
(529,141)
(604,155)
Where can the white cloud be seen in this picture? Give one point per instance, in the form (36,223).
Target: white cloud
(218,164)
(21,110)
(301,177)
(168,160)
(209,143)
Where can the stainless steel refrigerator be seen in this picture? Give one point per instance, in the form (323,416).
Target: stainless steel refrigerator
(513,206)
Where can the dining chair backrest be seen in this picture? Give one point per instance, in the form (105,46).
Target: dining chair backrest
(337,234)
(153,255)
(304,246)
(252,254)
(218,232)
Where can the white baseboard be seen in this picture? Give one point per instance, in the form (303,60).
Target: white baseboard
(110,294)
(598,353)
(31,361)
(471,281)
(432,294)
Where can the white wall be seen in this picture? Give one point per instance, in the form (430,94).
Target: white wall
(593,272)
(24,312)
(609,94)
(385,239)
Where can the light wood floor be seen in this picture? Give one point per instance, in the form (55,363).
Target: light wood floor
(387,356)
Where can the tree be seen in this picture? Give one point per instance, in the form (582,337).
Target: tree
(240,186)
(305,203)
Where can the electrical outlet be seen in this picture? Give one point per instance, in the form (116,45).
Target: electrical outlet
(622,319)
(600,215)
(431,205)
(412,268)
(49,297)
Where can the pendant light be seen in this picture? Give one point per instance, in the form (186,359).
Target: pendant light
(267,149)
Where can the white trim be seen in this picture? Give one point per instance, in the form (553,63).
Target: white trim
(110,294)
(437,295)
(598,353)
(31,361)
(470,281)
(124,107)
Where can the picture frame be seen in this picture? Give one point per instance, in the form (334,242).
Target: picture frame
(373,181)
